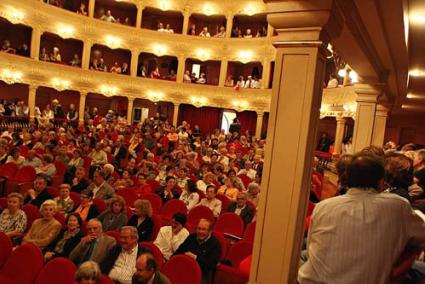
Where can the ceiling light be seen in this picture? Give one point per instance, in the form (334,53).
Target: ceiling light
(245,56)
(65,31)
(199,101)
(11,76)
(417,19)
(416,73)
(240,105)
(112,41)
(60,84)
(164,5)
(155,96)
(159,49)
(203,54)
(341,73)
(14,15)
(251,9)
(108,90)
(208,9)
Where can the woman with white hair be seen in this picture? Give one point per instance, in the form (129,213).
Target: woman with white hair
(55,56)
(88,273)
(45,229)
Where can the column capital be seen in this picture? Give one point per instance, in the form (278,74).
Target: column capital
(131,99)
(260,113)
(304,21)
(340,119)
(368,93)
(33,87)
(381,110)
(176,104)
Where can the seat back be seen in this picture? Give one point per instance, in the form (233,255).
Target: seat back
(25,174)
(60,168)
(5,248)
(223,244)
(8,170)
(245,179)
(75,196)
(104,280)
(229,223)
(250,232)
(155,201)
(129,195)
(100,204)
(28,256)
(179,263)
(54,192)
(172,207)
(156,252)
(115,235)
(157,223)
(58,270)
(239,252)
(197,213)
(32,212)
(61,219)
(153,184)
(3,203)
(225,201)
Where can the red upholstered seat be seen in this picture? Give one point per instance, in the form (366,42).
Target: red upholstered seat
(129,195)
(61,219)
(58,270)
(245,179)
(153,184)
(225,201)
(170,208)
(178,267)
(32,212)
(54,192)
(3,203)
(156,252)
(229,223)
(100,204)
(155,201)
(104,280)
(114,234)
(75,196)
(197,213)
(238,252)
(27,256)
(223,244)
(229,275)
(8,170)
(157,223)
(250,232)
(25,174)
(60,173)
(5,248)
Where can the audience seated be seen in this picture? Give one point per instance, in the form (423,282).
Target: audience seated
(203,247)
(147,271)
(204,32)
(99,187)
(39,194)
(45,229)
(142,219)
(229,189)
(115,217)
(239,207)
(108,17)
(211,201)
(67,239)
(190,196)
(169,190)
(64,203)
(95,246)
(79,182)
(87,210)
(13,220)
(170,237)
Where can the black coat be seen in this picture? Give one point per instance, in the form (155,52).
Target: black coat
(246,214)
(39,199)
(109,261)
(145,228)
(70,244)
(83,184)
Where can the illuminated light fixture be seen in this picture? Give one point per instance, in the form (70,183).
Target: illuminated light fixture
(112,41)
(324,108)
(341,73)
(203,54)
(208,9)
(240,105)
(245,56)
(416,73)
(164,5)
(65,31)
(199,101)
(155,96)
(415,96)
(14,15)
(108,90)
(11,77)
(60,84)
(350,107)
(354,76)
(251,9)
(159,49)
(417,19)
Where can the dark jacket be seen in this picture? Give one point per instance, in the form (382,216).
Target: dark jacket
(109,262)
(39,199)
(145,228)
(158,279)
(207,254)
(70,244)
(93,212)
(161,192)
(83,184)
(246,214)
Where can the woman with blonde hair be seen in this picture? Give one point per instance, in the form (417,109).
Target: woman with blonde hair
(88,273)
(142,219)
(115,217)
(13,220)
(45,229)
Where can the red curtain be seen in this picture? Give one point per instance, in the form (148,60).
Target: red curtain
(265,125)
(248,120)
(208,118)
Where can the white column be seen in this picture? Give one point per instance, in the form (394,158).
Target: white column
(81,108)
(85,61)
(367,96)
(270,30)
(181,68)
(134,63)
(265,77)
(130,110)
(339,135)
(139,16)
(91,8)
(32,91)
(35,43)
(223,72)
(176,113)
(379,126)
(229,25)
(186,16)
(258,128)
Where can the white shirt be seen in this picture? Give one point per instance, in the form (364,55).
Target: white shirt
(124,267)
(213,204)
(251,173)
(357,237)
(96,189)
(190,199)
(169,243)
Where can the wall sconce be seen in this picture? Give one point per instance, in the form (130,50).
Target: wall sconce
(159,49)
(251,9)
(199,101)
(203,54)
(11,77)
(240,105)
(208,9)
(14,15)
(155,96)
(112,41)
(352,107)
(65,31)
(60,84)
(108,90)
(245,56)
(164,5)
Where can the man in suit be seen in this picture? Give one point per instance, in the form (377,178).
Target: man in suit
(120,263)
(203,247)
(240,208)
(147,271)
(100,188)
(37,195)
(95,246)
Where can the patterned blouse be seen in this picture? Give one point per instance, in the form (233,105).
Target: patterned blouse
(15,222)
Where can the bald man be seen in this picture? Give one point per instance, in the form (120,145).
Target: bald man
(147,271)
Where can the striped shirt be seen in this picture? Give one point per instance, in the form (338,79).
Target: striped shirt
(357,237)
(125,267)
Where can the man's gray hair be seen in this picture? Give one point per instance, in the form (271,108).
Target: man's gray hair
(97,221)
(133,231)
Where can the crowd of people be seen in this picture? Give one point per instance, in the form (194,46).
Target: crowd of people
(251,82)
(106,155)
(22,49)
(192,78)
